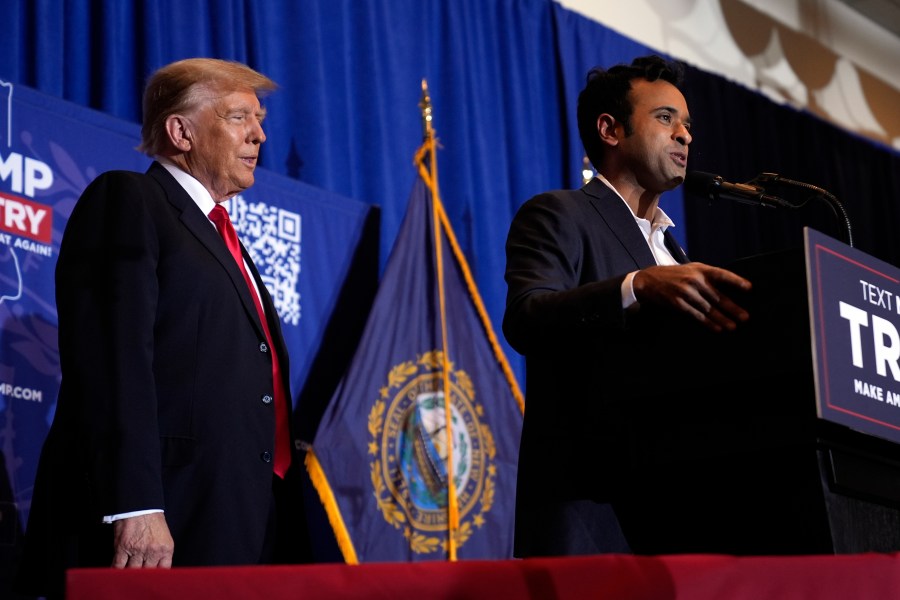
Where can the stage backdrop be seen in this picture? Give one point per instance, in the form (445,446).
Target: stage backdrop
(305,241)
(503,76)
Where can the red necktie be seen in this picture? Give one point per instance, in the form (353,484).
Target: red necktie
(219,216)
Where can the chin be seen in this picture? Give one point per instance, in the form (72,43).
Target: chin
(672,183)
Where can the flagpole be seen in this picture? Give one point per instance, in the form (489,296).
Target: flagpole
(428,147)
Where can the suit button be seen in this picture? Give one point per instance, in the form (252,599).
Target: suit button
(267,399)
(266,456)
(263,347)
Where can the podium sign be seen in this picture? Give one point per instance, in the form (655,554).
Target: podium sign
(854,304)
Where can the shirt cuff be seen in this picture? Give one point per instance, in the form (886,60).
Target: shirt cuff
(628,297)
(128,515)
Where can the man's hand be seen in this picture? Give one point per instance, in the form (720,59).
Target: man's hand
(143,542)
(695,289)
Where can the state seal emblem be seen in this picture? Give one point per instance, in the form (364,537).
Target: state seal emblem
(408,440)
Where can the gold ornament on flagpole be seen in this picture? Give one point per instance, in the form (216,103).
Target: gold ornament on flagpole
(425,107)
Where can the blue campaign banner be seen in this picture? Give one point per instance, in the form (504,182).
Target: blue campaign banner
(303,240)
(855,318)
(49,151)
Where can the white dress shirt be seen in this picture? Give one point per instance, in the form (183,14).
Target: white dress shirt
(653,231)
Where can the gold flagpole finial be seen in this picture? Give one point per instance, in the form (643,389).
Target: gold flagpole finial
(425,107)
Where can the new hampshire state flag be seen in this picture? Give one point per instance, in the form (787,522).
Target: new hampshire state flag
(403,474)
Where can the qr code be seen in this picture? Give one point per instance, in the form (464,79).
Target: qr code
(272,236)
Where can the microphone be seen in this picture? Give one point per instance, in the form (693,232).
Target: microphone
(714,187)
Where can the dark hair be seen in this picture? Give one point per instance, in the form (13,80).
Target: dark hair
(607,90)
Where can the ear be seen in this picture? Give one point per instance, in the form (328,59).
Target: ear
(608,129)
(178,130)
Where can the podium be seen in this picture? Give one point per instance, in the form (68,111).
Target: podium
(729,453)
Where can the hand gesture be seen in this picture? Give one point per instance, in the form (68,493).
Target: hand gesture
(695,289)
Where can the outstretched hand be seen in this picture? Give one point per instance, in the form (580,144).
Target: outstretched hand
(143,542)
(695,289)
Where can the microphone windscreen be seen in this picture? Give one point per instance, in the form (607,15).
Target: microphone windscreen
(698,182)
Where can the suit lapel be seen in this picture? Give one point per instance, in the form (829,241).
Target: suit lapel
(620,221)
(200,226)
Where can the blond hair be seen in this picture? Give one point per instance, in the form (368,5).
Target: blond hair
(181,86)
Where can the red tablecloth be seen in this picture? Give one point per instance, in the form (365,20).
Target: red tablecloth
(694,577)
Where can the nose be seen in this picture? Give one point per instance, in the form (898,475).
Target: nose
(683,135)
(256,135)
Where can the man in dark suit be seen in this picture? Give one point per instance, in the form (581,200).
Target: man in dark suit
(171,441)
(582,267)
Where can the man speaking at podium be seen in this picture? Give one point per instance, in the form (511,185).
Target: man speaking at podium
(582,267)
(171,443)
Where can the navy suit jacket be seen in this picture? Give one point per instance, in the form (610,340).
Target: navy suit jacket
(166,375)
(567,254)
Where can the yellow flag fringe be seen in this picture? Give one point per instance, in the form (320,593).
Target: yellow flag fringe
(326,496)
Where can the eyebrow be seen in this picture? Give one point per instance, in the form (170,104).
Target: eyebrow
(260,114)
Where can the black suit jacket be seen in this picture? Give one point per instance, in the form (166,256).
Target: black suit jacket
(165,368)
(567,255)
